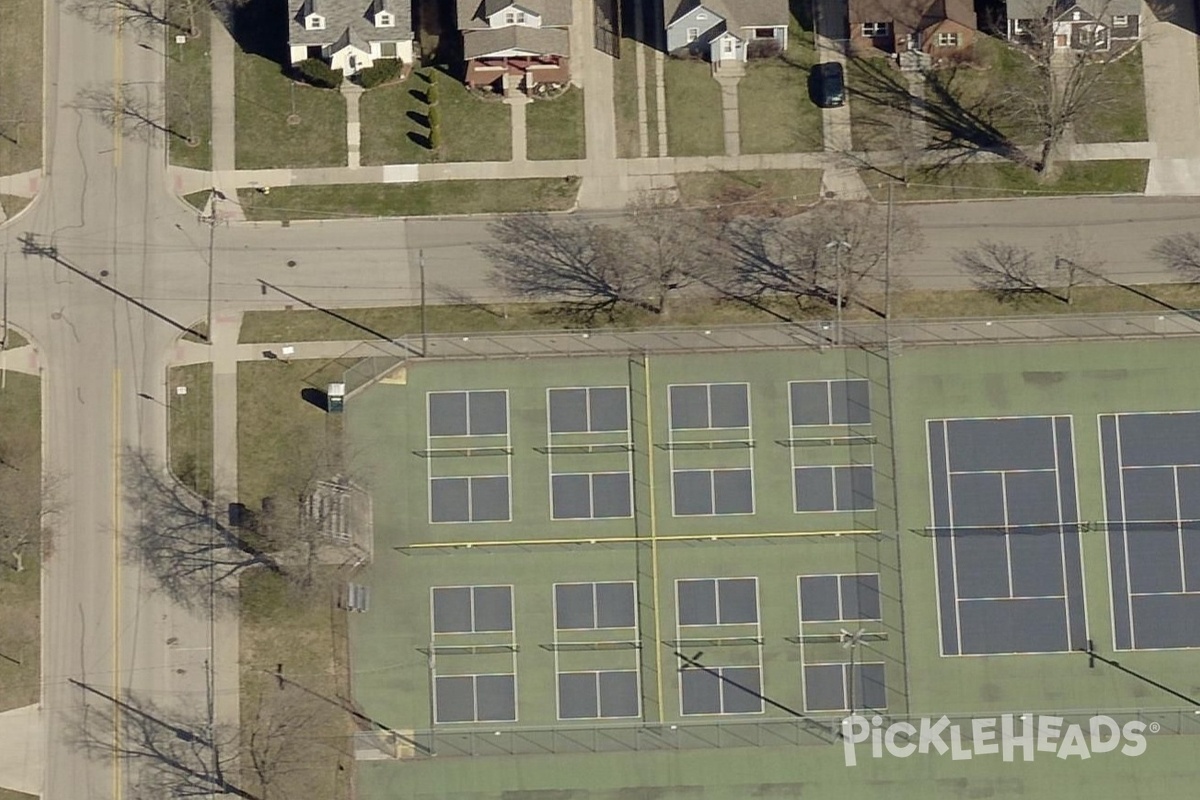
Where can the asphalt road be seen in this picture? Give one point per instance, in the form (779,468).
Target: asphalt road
(106,208)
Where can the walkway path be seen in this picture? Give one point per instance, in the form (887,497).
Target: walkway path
(728,77)
(224,124)
(660,100)
(22,755)
(1172,102)
(518,103)
(353,93)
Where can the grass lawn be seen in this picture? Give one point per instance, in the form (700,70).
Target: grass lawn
(694,126)
(555,128)
(395,127)
(784,187)
(13,205)
(1084,300)
(21,88)
(1123,119)
(776,113)
(198,200)
(9,794)
(189,426)
(189,95)
(625,103)
(985,181)
(874,125)
(303,635)
(265,100)
(410,199)
(20,509)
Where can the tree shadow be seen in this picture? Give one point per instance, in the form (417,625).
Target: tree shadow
(315,397)
(420,139)
(260,27)
(417,118)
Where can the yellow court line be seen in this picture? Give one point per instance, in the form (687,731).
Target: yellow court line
(688,537)
(116,589)
(118,95)
(653,536)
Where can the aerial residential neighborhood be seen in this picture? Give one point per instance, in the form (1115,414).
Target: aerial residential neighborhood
(599,399)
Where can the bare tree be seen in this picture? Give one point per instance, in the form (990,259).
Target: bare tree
(181,539)
(1013,273)
(30,503)
(594,269)
(1023,115)
(129,109)
(141,15)
(277,745)
(1180,252)
(172,753)
(834,253)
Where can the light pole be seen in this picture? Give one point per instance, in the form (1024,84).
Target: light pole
(837,245)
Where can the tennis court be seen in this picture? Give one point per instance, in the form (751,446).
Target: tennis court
(1151,466)
(1009,573)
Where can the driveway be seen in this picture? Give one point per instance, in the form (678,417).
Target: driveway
(1172,83)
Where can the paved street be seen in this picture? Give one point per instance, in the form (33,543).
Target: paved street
(104,203)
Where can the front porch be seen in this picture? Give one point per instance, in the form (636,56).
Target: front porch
(525,73)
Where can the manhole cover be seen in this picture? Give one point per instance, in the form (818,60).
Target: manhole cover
(293,119)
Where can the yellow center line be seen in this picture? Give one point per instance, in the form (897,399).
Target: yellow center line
(116,589)
(653,538)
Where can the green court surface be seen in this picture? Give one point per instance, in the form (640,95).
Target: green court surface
(489,611)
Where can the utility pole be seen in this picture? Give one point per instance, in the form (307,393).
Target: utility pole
(424,329)
(837,246)
(887,261)
(212,235)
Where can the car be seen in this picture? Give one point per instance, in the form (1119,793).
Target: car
(827,85)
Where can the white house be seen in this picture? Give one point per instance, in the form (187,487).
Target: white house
(350,34)
(725,30)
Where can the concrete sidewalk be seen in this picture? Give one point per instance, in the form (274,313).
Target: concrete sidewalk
(22,755)
(1172,102)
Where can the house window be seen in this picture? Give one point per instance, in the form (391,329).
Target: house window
(315,23)
(386,21)
(387,50)
(693,34)
(1120,21)
(764,33)
(873,30)
(727,47)
(947,40)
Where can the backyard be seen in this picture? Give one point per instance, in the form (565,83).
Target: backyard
(555,127)
(282,123)
(21,89)
(395,122)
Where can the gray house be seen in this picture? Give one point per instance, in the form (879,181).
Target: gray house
(1079,25)
(725,30)
(350,34)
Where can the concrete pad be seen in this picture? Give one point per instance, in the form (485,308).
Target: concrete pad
(1173,177)
(400,173)
(22,749)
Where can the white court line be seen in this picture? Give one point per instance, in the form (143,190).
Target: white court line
(1062,536)
(1179,527)
(1124,536)
(999,471)
(1015,597)
(953,546)
(1008,563)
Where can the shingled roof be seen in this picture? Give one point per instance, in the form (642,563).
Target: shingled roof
(351,19)
(543,41)
(736,13)
(473,14)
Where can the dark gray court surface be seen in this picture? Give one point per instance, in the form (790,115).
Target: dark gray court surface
(734,692)
(717,601)
(474,498)
(475,698)
(1009,574)
(478,498)
(594,606)
(591,495)
(471,609)
(848,487)
(706,406)
(842,687)
(588,410)
(840,402)
(604,694)
(476,413)
(839,598)
(1151,468)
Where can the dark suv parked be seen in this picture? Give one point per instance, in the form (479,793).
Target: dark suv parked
(827,85)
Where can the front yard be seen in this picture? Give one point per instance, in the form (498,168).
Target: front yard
(281,123)
(395,123)
(776,113)
(1120,116)
(555,128)
(694,126)
(21,87)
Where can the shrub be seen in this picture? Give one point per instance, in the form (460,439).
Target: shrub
(316,72)
(763,48)
(431,93)
(382,71)
(435,117)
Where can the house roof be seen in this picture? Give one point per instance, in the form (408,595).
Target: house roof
(543,41)
(1034,9)
(907,16)
(354,19)
(473,14)
(736,13)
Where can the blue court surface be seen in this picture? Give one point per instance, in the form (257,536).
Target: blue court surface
(1009,575)
(1151,468)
